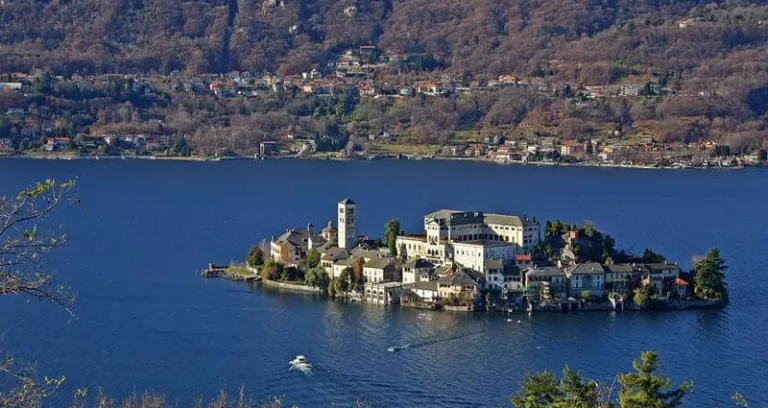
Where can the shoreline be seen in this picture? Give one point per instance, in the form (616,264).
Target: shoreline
(298,289)
(456,159)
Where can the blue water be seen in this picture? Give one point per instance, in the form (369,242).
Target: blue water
(146,320)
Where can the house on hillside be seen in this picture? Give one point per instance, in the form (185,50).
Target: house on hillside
(6,145)
(428,88)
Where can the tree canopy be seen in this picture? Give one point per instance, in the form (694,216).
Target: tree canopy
(709,276)
(641,388)
(22,272)
(391,231)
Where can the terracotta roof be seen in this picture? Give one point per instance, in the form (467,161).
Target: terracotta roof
(681,282)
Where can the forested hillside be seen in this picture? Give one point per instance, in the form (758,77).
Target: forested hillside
(592,41)
(711,57)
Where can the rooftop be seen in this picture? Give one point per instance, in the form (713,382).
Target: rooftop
(464,277)
(378,263)
(347,201)
(587,268)
(418,263)
(431,285)
(455,217)
(544,271)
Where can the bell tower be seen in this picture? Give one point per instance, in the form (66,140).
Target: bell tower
(347,223)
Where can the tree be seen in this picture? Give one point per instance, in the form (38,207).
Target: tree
(22,246)
(312,259)
(179,146)
(578,393)
(538,390)
(709,276)
(271,271)
(323,279)
(642,296)
(342,284)
(646,389)
(652,257)
(255,256)
(24,144)
(391,231)
(543,390)
(586,295)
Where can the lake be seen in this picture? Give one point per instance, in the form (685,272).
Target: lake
(147,320)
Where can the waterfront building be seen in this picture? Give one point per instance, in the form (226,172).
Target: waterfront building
(622,278)
(586,276)
(330,256)
(470,238)
(384,293)
(464,283)
(662,277)
(681,286)
(545,283)
(418,270)
(380,270)
(292,246)
(425,292)
(339,266)
(502,275)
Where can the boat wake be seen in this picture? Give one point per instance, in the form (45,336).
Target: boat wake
(431,342)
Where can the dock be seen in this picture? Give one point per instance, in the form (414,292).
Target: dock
(232,272)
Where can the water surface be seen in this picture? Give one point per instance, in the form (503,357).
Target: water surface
(146,320)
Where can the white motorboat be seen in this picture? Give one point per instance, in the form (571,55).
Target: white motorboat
(300,359)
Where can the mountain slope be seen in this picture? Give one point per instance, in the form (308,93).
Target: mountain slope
(592,41)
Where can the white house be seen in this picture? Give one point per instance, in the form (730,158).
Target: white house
(587,276)
(380,270)
(418,270)
(425,291)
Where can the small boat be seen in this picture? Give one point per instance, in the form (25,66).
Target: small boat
(300,363)
(398,348)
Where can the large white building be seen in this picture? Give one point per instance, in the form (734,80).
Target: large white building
(470,238)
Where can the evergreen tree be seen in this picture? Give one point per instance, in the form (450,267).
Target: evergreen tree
(255,256)
(578,393)
(543,390)
(652,257)
(646,389)
(538,390)
(709,278)
(391,231)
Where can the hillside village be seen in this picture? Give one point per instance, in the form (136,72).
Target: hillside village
(465,260)
(33,124)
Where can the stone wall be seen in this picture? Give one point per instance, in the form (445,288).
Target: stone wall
(291,286)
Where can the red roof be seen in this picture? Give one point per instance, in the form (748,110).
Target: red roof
(525,258)
(680,282)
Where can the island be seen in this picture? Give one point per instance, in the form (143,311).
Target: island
(478,261)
